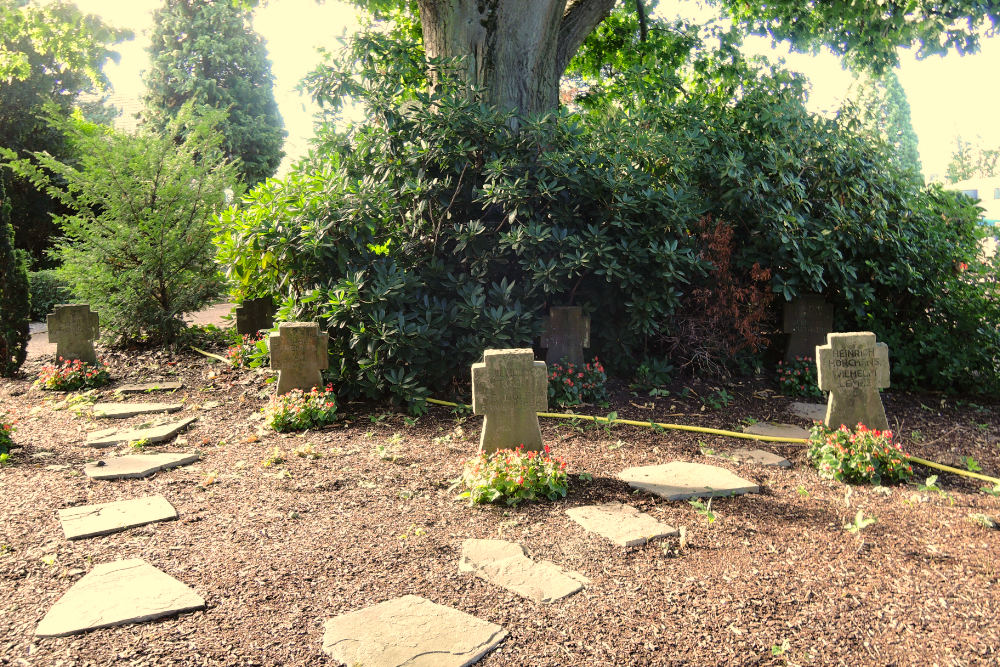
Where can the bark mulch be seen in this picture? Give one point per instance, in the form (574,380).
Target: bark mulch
(276,547)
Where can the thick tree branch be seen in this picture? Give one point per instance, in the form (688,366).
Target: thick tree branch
(580,19)
(640,11)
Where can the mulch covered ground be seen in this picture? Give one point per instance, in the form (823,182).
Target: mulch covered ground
(277,549)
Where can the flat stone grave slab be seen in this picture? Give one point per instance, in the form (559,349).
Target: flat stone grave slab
(507,565)
(680,480)
(773,430)
(125,591)
(622,524)
(147,387)
(107,518)
(125,410)
(154,433)
(756,456)
(411,631)
(812,411)
(137,465)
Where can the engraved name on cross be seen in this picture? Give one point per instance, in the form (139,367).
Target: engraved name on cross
(853,367)
(509,387)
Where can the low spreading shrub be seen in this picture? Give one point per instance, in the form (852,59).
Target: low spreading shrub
(298,410)
(512,476)
(798,378)
(858,456)
(73,374)
(570,384)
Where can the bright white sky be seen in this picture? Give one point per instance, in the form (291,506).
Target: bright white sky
(948,96)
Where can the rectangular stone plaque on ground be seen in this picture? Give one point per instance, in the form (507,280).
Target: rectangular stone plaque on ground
(137,465)
(155,433)
(680,480)
(107,518)
(411,631)
(74,328)
(622,524)
(808,318)
(566,333)
(299,354)
(125,591)
(507,565)
(509,387)
(253,315)
(853,367)
(126,410)
(148,387)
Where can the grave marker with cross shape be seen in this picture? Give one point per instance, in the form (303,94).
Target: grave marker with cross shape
(566,333)
(298,353)
(808,318)
(509,387)
(853,367)
(253,315)
(74,328)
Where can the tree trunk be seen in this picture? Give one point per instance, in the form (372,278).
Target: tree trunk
(515,50)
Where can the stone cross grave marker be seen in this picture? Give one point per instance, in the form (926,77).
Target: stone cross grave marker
(298,353)
(853,367)
(509,387)
(808,318)
(253,315)
(567,332)
(74,328)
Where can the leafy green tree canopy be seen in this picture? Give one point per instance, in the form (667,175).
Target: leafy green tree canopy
(208,53)
(49,55)
(972,160)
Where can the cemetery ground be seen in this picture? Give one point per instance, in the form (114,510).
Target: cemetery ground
(279,533)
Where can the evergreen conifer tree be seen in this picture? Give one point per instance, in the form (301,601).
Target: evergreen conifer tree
(209,54)
(15,305)
(881,105)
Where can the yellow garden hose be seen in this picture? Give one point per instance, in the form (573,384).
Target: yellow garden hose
(731,434)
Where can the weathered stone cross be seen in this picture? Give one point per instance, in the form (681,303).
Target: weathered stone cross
(74,328)
(567,332)
(853,367)
(808,318)
(509,387)
(298,353)
(253,315)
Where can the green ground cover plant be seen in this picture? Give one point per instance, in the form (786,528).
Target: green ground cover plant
(858,456)
(512,476)
(571,384)
(7,429)
(298,410)
(73,374)
(798,378)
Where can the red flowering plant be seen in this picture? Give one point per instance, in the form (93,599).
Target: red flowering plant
(858,456)
(247,352)
(298,410)
(6,433)
(512,476)
(573,384)
(73,374)
(798,378)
